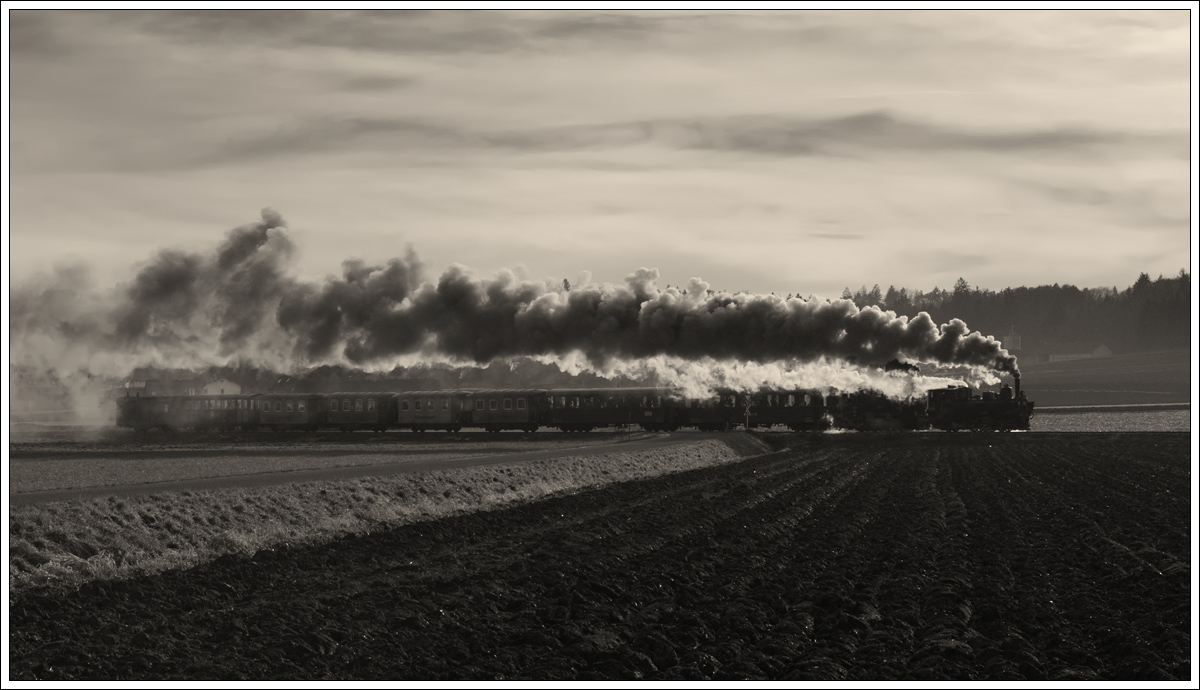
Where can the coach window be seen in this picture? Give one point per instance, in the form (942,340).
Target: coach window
(289,406)
(479,404)
(404,405)
(278,406)
(520,403)
(807,400)
(370,404)
(508,403)
(358,405)
(346,404)
(429,405)
(445,403)
(493,404)
(300,406)
(417,404)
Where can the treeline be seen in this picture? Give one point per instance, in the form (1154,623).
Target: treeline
(1148,315)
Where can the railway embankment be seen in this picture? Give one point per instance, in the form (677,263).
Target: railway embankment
(67,543)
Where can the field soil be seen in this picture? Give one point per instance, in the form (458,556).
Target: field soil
(855,556)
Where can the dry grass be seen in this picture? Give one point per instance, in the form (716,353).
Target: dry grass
(67,544)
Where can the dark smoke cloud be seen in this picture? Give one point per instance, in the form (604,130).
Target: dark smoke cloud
(232,291)
(362,310)
(241,301)
(897,365)
(382,314)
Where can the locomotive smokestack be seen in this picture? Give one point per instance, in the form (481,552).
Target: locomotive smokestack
(1016,385)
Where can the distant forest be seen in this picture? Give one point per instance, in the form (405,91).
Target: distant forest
(1148,315)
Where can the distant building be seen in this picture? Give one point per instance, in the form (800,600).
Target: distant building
(1012,341)
(222,387)
(139,388)
(1065,352)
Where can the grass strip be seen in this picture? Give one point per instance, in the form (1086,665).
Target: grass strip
(68,544)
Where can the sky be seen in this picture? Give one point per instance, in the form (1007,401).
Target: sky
(780,151)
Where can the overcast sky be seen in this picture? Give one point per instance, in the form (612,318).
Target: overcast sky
(781,151)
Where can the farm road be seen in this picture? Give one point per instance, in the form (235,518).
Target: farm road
(866,557)
(389,463)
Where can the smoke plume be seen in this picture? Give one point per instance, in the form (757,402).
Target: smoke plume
(184,309)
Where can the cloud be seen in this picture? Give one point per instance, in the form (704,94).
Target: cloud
(34,33)
(377,82)
(397,31)
(836,235)
(1140,206)
(941,261)
(761,135)
(603,26)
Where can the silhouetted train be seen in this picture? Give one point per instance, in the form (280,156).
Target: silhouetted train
(575,410)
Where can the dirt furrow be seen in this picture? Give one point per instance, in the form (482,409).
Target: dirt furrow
(870,557)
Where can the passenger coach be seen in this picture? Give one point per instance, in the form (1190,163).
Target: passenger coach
(359,411)
(584,409)
(497,410)
(288,411)
(430,410)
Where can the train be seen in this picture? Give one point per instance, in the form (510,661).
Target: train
(577,410)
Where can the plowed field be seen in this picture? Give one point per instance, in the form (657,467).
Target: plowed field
(860,556)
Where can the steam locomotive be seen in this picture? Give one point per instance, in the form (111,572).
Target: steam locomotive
(576,410)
